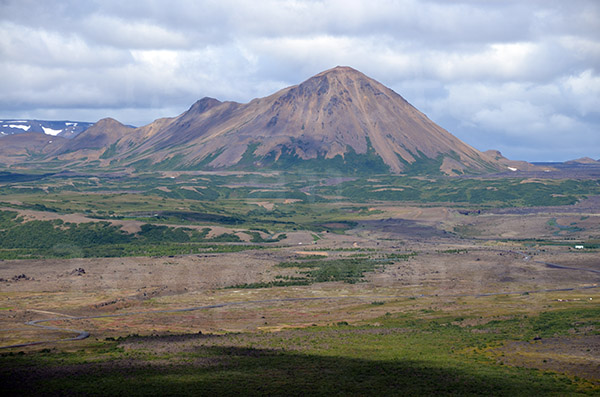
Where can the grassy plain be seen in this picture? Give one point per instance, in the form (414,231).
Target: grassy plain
(283,284)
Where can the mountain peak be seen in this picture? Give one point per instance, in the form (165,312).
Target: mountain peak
(103,133)
(346,76)
(343,74)
(204,104)
(108,122)
(340,70)
(335,89)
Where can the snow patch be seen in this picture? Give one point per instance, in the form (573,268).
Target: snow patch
(50,131)
(513,169)
(73,124)
(18,121)
(23,127)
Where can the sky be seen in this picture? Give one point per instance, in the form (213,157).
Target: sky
(522,77)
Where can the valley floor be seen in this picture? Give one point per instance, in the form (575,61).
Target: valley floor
(177,321)
(405,299)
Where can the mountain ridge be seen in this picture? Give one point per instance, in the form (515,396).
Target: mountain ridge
(337,118)
(63,128)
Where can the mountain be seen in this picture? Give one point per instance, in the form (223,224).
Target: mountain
(339,119)
(65,129)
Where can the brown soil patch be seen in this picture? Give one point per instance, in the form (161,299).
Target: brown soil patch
(265,204)
(319,253)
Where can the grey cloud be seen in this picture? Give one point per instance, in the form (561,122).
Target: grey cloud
(111,31)
(27,45)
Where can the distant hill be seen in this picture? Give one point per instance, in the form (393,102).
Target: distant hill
(65,129)
(583,160)
(513,165)
(94,142)
(338,120)
(21,148)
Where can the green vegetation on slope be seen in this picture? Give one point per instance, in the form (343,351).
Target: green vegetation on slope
(351,163)
(57,239)
(348,270)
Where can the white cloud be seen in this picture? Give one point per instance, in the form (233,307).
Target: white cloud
(512,117)
(583,91)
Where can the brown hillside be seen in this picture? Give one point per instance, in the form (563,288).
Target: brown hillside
(19,148)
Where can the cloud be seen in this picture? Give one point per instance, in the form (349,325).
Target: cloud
(46,48)
(496,74)
(120,33)
(583,92)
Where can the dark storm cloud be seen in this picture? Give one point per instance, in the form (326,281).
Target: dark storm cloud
(518,76)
